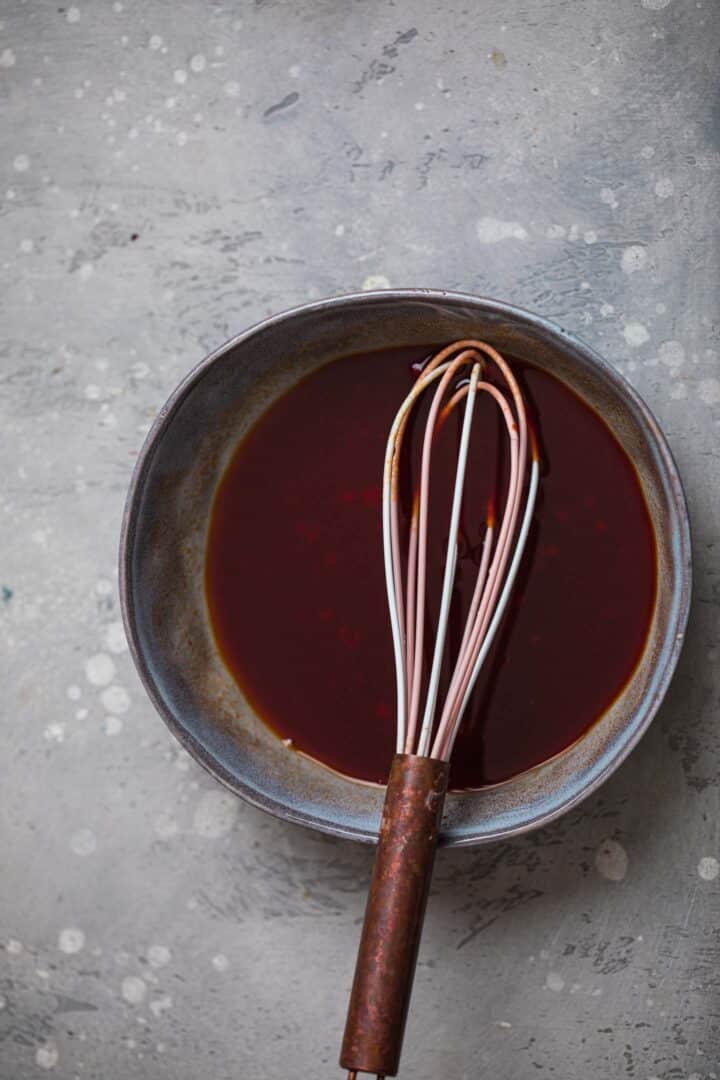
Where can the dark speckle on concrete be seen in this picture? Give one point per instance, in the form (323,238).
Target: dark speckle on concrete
(287,101)
(391,49)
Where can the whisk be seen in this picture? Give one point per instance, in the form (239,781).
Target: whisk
(428,720)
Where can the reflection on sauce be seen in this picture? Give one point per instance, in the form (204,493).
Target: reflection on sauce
(295,586)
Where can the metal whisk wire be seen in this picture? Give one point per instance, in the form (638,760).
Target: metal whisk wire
(503,545)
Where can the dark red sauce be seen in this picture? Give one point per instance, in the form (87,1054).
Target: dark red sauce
(296,592)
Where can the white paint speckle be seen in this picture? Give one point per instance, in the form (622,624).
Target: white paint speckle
(607,195)
(492,230)
(635,334)
(339,230)
(606,310)
(104,587)
(655,5)
(86,271)
(26,247)
(55,731)
(155,43)
(13,946)
(7,58)
(114,638)
(294,71)
(590,236)
(708,868)
(555,232)
(634,258)
(21,163)
(71,940)
(554,982)
(116,699)
(215,814)
(611,860)
(672,354)
(158,955)
(73,14)
(181,138)
(647,152)
(83,842)
(709,391)
(419,106)
(112,725)
(180,76)
(232,88)
(375,281)
(220,962)
(47,1057)
(678,391)
(664,188)
(198,63)
(161,1005)
(133,990)
(118,7)
(99,669)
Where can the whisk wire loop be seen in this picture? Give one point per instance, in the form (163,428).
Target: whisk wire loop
(450,563)
(391,544)
(503,544)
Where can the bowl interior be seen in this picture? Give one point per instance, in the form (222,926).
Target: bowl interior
(163,552)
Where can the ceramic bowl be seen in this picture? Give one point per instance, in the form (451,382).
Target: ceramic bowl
(163,552)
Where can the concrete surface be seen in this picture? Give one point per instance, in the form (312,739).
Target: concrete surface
(172,172)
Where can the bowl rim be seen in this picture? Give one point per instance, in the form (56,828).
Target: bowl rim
(667,660)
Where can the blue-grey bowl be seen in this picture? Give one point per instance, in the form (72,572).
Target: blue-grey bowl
(163,551)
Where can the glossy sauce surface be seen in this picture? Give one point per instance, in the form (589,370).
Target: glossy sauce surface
(295,583)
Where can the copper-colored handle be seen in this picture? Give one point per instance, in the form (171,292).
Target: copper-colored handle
(394,915)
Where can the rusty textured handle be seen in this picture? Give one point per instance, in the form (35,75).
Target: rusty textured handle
(394,915)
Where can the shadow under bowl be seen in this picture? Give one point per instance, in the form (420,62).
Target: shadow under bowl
(164,537)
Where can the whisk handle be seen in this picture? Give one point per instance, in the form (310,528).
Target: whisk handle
(394,915)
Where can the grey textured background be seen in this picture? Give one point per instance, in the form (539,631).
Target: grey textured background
(171,173)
